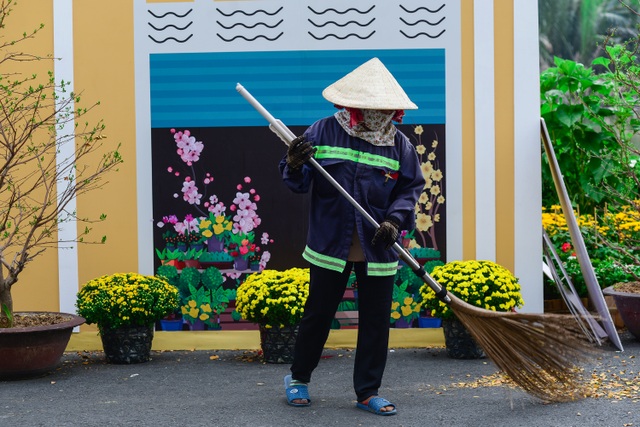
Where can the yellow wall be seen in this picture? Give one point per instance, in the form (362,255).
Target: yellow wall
(468,135)
(37,288)
(103,69)
(504,123)
(104,72)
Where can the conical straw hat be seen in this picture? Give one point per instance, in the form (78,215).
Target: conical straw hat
(371,87)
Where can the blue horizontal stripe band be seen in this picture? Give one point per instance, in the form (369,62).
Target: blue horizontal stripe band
(190,88)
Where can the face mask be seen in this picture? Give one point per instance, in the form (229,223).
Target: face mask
(377,120)
(374,126)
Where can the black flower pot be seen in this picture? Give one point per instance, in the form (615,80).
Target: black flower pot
(459,342)
(278,344)
(128,344)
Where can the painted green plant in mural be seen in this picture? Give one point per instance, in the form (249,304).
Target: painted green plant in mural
(49,155)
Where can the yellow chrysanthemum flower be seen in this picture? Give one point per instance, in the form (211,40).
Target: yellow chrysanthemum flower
(482,283)
(273,297)
(123,299)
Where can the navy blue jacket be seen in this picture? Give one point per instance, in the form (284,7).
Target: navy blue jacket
(385,180)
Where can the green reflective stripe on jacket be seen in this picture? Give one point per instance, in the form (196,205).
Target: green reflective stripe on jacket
(328,152)
(336,264)
(382,268)
(330,263)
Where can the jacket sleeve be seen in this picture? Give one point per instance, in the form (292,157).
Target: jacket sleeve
(408,188)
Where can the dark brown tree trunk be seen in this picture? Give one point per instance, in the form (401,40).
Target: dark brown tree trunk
(6,303)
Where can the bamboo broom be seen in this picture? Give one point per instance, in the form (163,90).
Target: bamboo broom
(539,352)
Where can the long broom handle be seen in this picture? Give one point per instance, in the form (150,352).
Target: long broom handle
(406,256)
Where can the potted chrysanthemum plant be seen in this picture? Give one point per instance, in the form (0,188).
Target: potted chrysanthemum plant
(483,284)
(275,301)
(125,306)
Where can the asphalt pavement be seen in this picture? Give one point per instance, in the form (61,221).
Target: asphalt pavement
(235,388)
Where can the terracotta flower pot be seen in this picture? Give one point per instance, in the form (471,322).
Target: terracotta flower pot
(36,350)
(628,305)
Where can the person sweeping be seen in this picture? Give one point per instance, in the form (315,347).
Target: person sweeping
(539,352)
(360,147)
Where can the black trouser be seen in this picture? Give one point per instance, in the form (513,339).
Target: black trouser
(326,290)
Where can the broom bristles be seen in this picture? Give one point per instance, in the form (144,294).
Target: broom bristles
(539,352)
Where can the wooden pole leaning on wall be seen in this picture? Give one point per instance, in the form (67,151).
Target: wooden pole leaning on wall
(595,292)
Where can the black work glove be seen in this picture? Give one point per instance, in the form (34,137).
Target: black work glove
(386,234)
(299,152)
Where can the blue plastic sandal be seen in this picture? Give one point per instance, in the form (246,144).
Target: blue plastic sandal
(376,404)
(296,392)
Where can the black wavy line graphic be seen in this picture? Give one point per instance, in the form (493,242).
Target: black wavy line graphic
(343,37)
(250,40)
(423,20)
(171,38)
(249,26)
(340,13)
(422,8)
(170,25)
(170,13)
(341,25)
(250,14)
(422,34)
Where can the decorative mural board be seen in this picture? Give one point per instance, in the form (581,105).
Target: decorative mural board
(190,55)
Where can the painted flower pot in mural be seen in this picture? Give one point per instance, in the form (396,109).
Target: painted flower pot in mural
(197,325)
(429,322)
(220,265)
(627,300)
(196,246)
(35,350)
(191,263)
(179,265)
(241,264)
(171,325)
(402,323)
(215,245)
